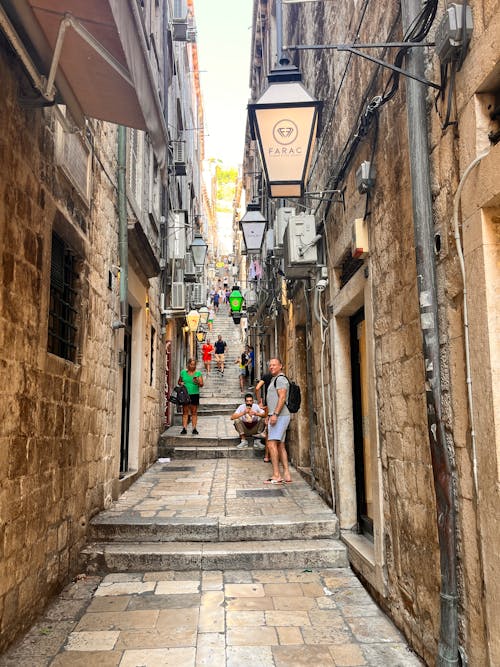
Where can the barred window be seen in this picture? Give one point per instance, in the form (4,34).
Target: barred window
(63,296)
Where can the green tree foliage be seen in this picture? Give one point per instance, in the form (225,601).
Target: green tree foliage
(226,187)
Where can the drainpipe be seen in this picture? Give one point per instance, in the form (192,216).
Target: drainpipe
(123,227)
(426,284)
(310,385)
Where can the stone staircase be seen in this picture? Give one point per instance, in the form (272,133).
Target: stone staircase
(219,397)
(203,505)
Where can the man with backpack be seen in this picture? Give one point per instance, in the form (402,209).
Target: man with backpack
(279,419)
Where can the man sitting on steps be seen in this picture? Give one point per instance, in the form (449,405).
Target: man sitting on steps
(248,420)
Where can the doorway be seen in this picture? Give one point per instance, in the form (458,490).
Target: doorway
(361,424)
(127,373)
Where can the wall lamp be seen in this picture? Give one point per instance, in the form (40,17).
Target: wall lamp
(253,225)
(192,320)
(199,249)
(284,121)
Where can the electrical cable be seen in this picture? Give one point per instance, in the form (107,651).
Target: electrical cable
(417,31)
(344,74)
(447,122)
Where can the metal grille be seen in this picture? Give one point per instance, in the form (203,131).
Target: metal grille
(258,493)
(62,307)
(349,267)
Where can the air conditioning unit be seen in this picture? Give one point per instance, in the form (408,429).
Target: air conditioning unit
(283,215)
(179,154)
(299,248)
(189,267)
(177,296)
(198,294)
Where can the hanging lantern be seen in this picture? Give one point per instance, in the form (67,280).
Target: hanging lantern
(251,300)
(204,314)
(193,319)
(284,121)
(253,225)
(235,300)
(201,335)
(199,249)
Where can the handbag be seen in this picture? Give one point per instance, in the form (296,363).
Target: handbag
(179,396)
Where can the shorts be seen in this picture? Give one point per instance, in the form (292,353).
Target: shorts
(195,399)
(219,357)
(243,371)
(278,431)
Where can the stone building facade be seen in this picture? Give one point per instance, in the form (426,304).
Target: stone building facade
(360,348)
(83,243)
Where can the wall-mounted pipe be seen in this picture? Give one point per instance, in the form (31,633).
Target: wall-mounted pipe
(122,223)
(427,292)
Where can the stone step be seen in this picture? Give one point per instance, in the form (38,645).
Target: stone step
(105,557)
(107,527)
(208,452)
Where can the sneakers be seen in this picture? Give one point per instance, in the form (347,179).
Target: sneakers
(195,431)
(260,446)
(183,432)
(243,444)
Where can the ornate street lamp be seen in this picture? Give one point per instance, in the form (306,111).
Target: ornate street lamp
(235,300)
(204,314)
(193,319)
(284,121)
(253,224)
(199,249)
(251,300)
(201,335)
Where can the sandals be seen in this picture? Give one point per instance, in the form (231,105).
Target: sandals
(273,481)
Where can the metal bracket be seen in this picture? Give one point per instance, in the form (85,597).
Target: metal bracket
(353,48)
(70,22)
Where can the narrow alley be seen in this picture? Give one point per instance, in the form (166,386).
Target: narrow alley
(199,563)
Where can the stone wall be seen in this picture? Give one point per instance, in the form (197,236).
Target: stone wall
(402,564)
(59,421)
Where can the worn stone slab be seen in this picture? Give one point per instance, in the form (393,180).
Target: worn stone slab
(109,557)
(283,527)
(156,529)
(167,657)
(86,659)
(251,636)
(92,641)
(302,656)
(249,656)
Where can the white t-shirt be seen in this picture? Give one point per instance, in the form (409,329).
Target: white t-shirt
(250,419)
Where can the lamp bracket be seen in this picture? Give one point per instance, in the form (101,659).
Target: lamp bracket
(353,48)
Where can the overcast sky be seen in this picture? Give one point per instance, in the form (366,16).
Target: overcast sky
(223,38)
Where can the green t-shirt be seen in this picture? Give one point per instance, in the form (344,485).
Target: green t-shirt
(189,383)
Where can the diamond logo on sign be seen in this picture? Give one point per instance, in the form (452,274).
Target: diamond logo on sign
(285,132)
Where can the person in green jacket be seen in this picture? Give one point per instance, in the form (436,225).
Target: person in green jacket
(192,380)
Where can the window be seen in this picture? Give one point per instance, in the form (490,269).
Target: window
(62,338)
(135,166)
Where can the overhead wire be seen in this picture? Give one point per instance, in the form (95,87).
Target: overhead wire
(417,31)
(337,94)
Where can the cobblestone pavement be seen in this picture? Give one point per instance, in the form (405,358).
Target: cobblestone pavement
(233,618)
(214,487)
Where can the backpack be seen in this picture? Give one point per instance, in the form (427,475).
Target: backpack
(180,396)
(294,397)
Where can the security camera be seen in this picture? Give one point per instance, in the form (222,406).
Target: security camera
(322,284)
